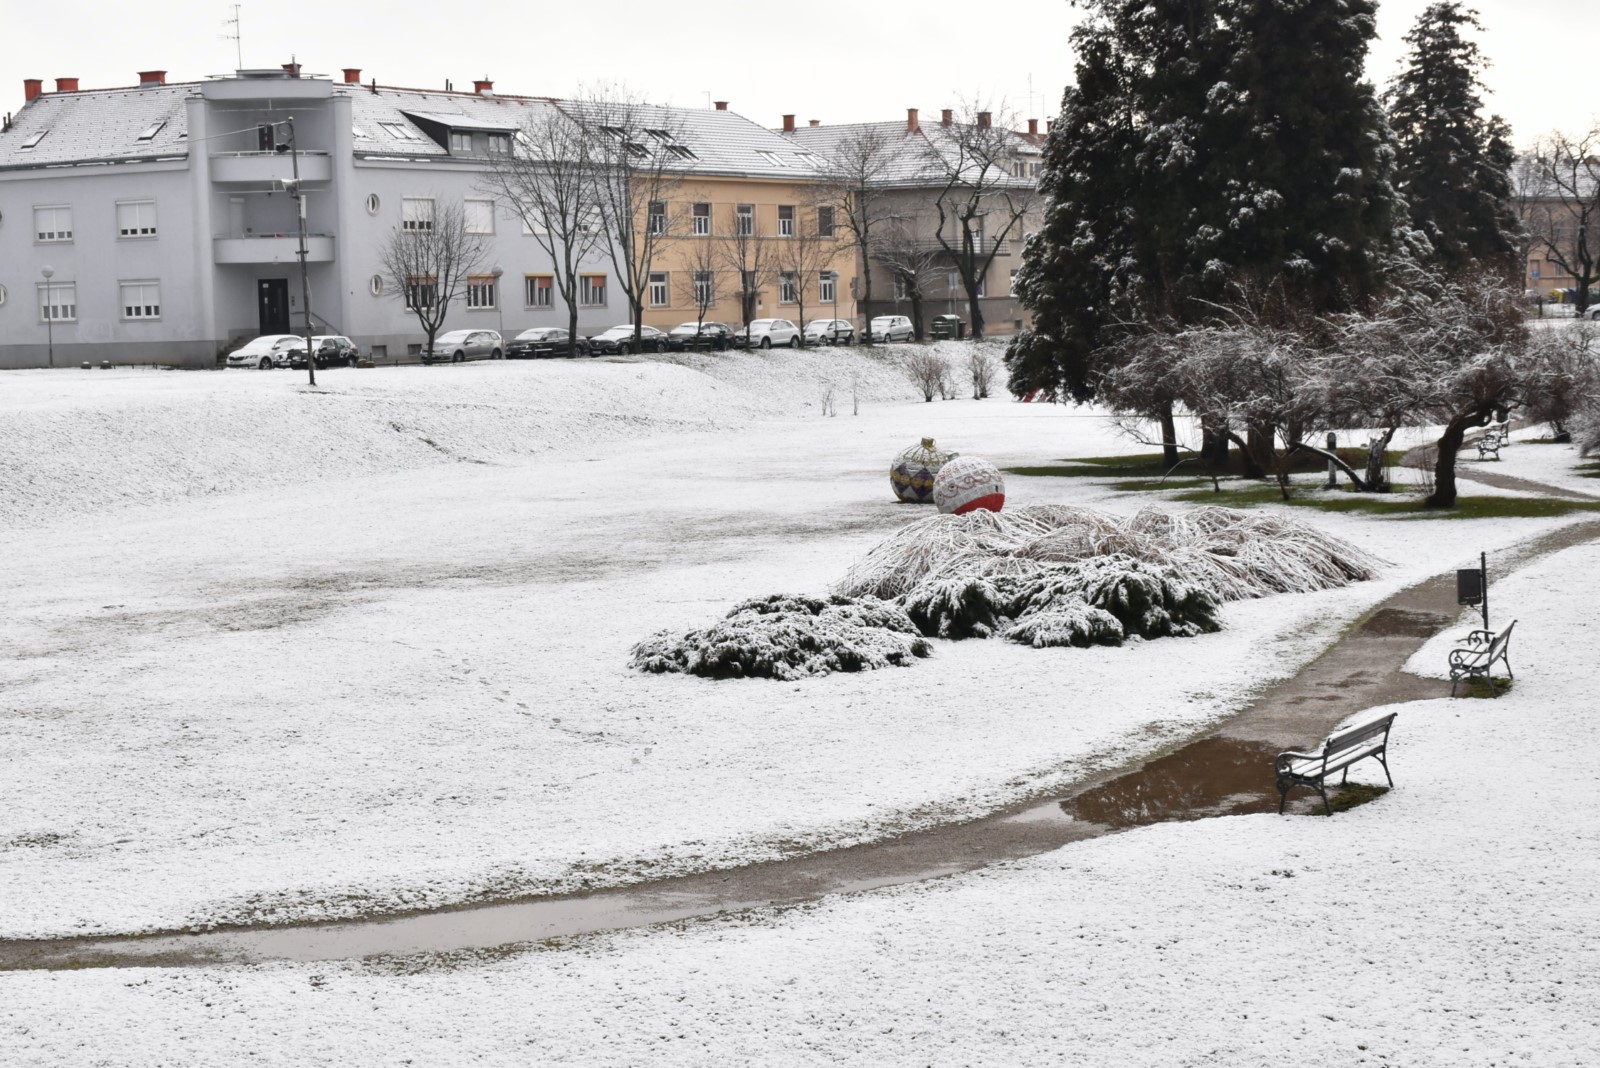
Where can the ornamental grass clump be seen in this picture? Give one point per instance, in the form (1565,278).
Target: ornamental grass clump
(956,608)
(789,637)
(1066,622)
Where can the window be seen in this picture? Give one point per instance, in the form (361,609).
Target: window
(33,142)
(658,217)
(702,219)
(149,132)
(499,144)
(703,289)
(416,214)
(379,352)
(745,220)
(480,291)
(771,157)
(824,222)
(592,290)
(136,218)
(422,291)
(141,300)
(399,131)
(536,290)
(636,150)
(658,289)
(681,152)
(359,134)
(902,286)
(785,220)
(480,216)
(747,281)
(58,302)
(1013,289)
(375,285)
(373,203)
(534,226)
(460,142)
(786,288)
(2,296)
(53,223)
(827,287)
(661,135)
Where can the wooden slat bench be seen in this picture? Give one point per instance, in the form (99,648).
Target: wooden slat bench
(1476,659)
(1491,442)
(1347,747)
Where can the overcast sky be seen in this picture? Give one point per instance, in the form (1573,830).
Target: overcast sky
(838,62)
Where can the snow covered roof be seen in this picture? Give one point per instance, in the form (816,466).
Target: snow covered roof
(100,124)
(915,157)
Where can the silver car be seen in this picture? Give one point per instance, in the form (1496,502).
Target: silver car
(890,328)
(266,352)
(830,332)
(765,333)
(460,345)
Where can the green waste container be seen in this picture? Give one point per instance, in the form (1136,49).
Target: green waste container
(948,326)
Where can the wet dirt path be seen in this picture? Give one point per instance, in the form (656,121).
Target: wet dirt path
(1226,772)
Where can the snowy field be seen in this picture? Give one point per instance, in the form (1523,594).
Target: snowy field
(279,654)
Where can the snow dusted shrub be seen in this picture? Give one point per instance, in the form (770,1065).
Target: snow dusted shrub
(1066,622)
(930,373)
(789,637)
(1148,600)
(956,608)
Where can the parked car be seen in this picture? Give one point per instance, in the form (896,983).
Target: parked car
(459,345)
(830,332)
(619,340)
(332,350)
(765,333)
(717,336)
(266,352)
(891,328)
(541,341)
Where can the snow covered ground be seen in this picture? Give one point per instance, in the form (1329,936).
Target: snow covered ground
(276,653)
(1450,923)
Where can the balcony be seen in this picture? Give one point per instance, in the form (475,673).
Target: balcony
(272,248)
(263,167)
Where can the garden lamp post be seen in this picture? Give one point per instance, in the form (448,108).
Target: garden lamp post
(49,272)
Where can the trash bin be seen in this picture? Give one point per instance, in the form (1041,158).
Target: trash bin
(947,326)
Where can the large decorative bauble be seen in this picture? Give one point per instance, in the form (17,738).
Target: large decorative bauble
(967,484)
(914,470)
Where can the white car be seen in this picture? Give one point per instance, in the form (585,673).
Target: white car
(830,332)
(266,352)
(765,333)
(890,327)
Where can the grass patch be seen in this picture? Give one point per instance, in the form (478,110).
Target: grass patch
(1348,796)
(1384,505)
(1590,469)
(1480,687)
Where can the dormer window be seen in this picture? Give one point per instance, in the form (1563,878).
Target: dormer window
(33,141)
(149,132)
(499,144)
(460,143)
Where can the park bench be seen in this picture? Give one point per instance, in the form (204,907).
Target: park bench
(1342,749)
(1476,659)
(1492,440)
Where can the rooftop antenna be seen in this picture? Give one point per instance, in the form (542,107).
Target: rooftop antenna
(236,36)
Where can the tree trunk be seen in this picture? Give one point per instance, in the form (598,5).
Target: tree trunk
(572,330)
(1247,461)
(975,309)
(1213,446)
(916,313)
(1376,483)
(1169,437)
(1258,452)
(1444,471)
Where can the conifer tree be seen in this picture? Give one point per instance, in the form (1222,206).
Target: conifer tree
(1452,163)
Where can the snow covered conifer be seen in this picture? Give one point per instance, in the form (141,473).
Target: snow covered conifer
(1452,163)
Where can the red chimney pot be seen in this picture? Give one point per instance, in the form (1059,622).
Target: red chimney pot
(31,87)
(152,77)
(912,125)
(292,69)
(66,85)
(1033,127)
(983,120)
(946,117)
(482,85)
(352,76)
(814,122)
(722,105)
(788,124)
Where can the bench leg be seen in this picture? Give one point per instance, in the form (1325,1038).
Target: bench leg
(1283,794)
(1323,790)
(1385,762)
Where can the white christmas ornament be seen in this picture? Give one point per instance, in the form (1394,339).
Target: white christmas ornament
(968,483)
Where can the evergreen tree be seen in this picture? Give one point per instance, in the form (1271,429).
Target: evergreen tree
(1452,163)
(1208,149)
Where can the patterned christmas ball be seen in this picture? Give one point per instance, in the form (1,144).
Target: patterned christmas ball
(967,484)
(914,470)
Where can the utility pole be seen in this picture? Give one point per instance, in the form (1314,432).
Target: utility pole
(300,214)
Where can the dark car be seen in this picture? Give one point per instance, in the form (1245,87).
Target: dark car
(332,350)
(619,340)
(543,341)
(717,336)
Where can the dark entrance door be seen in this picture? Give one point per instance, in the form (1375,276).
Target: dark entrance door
(272,297)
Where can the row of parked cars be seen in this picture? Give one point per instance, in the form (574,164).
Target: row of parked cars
(458,346)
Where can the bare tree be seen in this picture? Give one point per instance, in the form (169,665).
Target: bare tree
(802,260)
(930,373)
(1561,205)
(427,260)
(912,265)
(547,182)
(704,283)
(750,257)
(638,160)
(983,368)
(854,172)
(980,201)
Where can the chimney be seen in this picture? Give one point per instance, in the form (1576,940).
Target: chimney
(31,87)
(722,105)
(911,120)
(1033,127)
(292,69)
(788,124)
(483,87)
(152,77)
(983,120)
(814,122)
(946,117)
(352,76)
(66,85)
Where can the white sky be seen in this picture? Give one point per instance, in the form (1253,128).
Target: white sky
(837,63)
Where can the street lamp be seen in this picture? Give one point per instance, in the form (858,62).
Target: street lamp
(49,272)
(499,308)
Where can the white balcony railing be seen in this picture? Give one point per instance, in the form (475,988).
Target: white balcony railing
(272,248)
